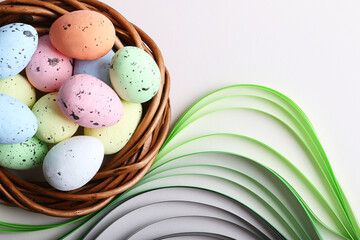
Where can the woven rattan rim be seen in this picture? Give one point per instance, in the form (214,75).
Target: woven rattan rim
(126,167)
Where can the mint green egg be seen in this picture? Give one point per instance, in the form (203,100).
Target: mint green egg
(134,75)
(25,155)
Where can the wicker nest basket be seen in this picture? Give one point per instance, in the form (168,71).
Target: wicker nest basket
(126,167)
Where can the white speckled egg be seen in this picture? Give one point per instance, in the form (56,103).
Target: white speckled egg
(115,137)
(72,163)
(25,155)
(18,42)
(20,88)
(53,125)
(134,74)
(17,122)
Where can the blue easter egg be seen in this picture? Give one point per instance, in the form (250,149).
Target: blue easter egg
(17,121)
(18,42)
(98,68)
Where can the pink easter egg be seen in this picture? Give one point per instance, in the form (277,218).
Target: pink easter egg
(48,68)
(89,102)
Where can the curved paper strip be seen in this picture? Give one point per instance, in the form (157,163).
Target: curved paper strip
(256,177)
(251,187)
(257,88)
(146,215)
(267,131)
(225,187)
(192,224)
(184,195)
(271,131)
(192,236)
(298,115)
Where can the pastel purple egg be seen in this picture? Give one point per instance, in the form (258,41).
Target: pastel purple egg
(89,102)
(48,68)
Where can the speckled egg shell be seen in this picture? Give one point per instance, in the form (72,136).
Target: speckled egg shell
(115,137)
(89,102)
(98,68)
(25,155)
(134,75)
(19,88)
(17,122)
(53,125)
(48,68)
(72,163)
(18,42)
(83,34)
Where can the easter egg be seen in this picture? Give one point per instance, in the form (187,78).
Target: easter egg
(19,88)
(83,34)
(48,68)
(134,75)
(53,125)
(98,68)
(70,164)
(115,137)
(17,122)
(89,102)
(18,42)
(24,155)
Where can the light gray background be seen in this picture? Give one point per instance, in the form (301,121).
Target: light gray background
(308,50)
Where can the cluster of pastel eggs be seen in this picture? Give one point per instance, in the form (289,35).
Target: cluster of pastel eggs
(67,99)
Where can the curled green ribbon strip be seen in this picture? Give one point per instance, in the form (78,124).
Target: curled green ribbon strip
(259,144)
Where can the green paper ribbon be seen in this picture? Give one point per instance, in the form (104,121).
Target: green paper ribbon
(270,160)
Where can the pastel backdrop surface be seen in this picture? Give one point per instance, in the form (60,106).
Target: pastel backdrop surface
(308,50)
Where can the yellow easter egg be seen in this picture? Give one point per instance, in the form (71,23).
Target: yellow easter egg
(115,137)
(20,88)
(53,127)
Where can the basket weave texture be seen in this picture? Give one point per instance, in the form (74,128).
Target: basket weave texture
(126,167)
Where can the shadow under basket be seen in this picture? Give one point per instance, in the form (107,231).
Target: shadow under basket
(126,167)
